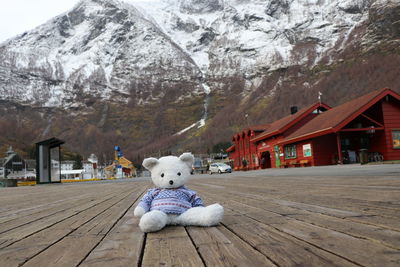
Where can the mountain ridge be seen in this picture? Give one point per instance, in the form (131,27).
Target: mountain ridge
(178,75)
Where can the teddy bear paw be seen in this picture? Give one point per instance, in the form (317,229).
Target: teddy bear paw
(153,221)
(213,214)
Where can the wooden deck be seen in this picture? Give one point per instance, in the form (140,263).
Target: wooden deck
(269,221)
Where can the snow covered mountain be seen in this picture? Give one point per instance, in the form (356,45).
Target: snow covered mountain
(101,48)
(107,48)
(157,68)
(227,37)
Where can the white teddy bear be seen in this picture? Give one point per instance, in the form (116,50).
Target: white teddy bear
(171,203)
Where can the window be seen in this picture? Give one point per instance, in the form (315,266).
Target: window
(290,151)
(307,150)
(396,139)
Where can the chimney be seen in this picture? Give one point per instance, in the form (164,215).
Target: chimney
(293,110)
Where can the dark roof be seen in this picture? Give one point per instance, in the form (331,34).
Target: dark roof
(231,148)
(336,118)
(283,124)
(8,158)
(52,142)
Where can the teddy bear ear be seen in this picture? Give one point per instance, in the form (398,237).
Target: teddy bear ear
(149,163)
(187,158)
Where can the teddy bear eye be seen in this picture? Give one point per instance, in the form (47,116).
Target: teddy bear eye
(179,174)
(162,174)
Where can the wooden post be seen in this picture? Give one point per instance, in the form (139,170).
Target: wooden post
(339,148)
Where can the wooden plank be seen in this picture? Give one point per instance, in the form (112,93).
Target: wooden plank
(340,223)
(48,197)
(121,247)
(358,250)
(74,247)
(330,240)
(312,221)
(220,247)
(272,243)
(44,211)
(38,225)
(21,200)
(317,209)
(283,249)
(26,248)
(170,247)
(381,235)
(358,215)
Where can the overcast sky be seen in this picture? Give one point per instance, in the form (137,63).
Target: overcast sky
(18,16)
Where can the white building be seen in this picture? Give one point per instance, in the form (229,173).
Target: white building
(67,165)
(72,174)
(90,167)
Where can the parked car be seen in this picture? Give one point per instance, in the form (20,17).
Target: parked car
(220,168)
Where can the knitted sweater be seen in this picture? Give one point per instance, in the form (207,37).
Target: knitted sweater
(172,201)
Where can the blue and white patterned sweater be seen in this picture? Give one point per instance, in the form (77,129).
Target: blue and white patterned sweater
(170,200)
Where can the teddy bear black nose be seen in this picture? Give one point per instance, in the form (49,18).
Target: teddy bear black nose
(171,182)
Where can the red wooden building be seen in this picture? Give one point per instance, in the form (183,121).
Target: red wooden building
(243,153)
(366,128)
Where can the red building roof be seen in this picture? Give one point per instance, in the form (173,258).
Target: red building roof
(281,125)
(259,128)
(255,128)
(336,118)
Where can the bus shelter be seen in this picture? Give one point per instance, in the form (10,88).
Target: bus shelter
(48,161)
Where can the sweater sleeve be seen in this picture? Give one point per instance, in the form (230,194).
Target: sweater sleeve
(196,201)
(146,200)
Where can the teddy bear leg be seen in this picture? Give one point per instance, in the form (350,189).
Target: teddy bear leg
(153,221)
(202,216)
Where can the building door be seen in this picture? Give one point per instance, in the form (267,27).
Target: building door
(277,160)
(265,160)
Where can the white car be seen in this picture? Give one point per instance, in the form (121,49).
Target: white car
(219,168)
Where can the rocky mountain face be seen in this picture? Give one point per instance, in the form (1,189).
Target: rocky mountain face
(173,75)
(100,49)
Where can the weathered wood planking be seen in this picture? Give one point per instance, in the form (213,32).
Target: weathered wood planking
(220,247)
(44,236)
(34,226)
(269,221)
(284,249)
(170,247)
(328,237)
(52,209)
(76,245)
(121,247)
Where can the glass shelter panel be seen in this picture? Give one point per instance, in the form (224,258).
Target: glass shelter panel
(55,164)
(44,164)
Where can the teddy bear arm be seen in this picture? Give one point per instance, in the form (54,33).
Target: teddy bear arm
(196,201)
(144,204)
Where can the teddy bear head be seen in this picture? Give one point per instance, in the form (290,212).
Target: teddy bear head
(170,171)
